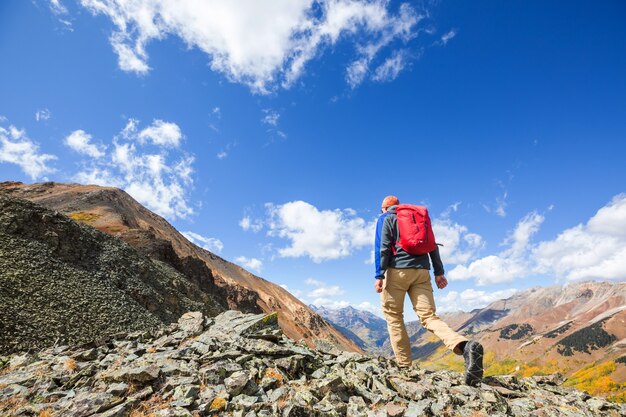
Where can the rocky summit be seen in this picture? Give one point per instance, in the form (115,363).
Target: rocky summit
(238,364)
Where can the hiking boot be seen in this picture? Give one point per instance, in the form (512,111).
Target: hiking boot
(473,355)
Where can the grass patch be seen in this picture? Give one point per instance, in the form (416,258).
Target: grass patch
(84,216)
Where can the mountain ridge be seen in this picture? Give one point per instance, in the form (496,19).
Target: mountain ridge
(114,212)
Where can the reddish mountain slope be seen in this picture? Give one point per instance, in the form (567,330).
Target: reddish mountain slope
(113,211)
(577,329)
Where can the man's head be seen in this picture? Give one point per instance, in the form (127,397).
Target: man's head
(389,201)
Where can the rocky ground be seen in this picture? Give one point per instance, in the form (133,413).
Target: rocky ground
(239,364)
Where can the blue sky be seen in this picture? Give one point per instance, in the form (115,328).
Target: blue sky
(269,132)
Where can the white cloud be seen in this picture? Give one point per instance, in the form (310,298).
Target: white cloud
(445,38)
(260,44)
(129,58)
(161,133)
(501,205)
(100,176)
(509,264)
(209,243)
(520,238)
(330,304)
(326,291)
(57,7)
(217,112)
(246,223)
(491,269)
(271,117)
(320,235)
(156,180)
(251,263)
(43,114)
(313,282)
(367,306)
(357,71)
(80,141)
(459,245)
(596,250)
(16,148)
(471,299)
(222,155)
(390,69)
(324,294)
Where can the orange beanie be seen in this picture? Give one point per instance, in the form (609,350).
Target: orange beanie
(389,201)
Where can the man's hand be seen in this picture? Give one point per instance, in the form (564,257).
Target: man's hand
(378,285)
(441,281)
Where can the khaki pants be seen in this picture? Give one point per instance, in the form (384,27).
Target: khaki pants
(416,282)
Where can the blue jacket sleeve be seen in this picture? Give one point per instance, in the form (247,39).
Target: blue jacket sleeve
(380,273)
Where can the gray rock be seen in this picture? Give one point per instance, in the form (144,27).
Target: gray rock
(356,407)
(234,323)
(141,374)
(243,401)
(409,389)
(120,410)
(241,374)
(418,408)
(117,389)
(185,395)
(191,323)
(141,395)
(237,382)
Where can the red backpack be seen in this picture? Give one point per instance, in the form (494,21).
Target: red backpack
(416,232)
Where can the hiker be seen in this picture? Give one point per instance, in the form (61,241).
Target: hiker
(399,272)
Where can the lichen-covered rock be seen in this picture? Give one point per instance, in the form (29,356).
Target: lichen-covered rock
(230,371)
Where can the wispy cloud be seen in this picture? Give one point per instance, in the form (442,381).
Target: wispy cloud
(262,45)
(60,11)
(57,7)
(390,69)
(250,263)
(247,223)
(17,148)
(447,37)
(209,243)
(271,117)
(43,115)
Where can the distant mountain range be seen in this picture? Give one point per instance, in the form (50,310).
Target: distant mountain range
(158,272)
(365,329)
(578,329)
